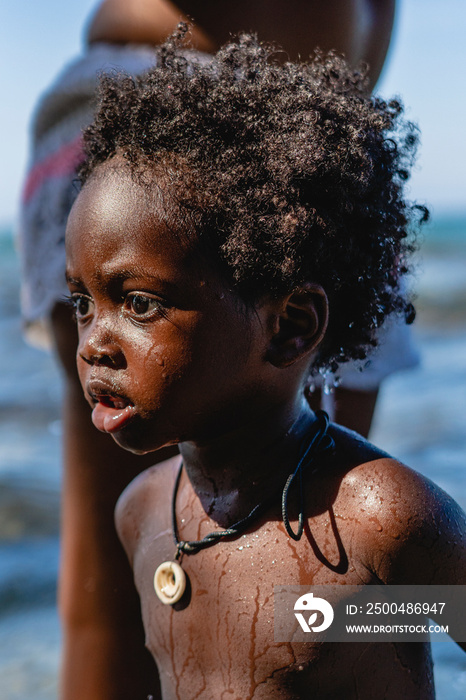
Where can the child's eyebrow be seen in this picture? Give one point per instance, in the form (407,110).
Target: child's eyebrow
(72,280)
(114,278)
(121,274)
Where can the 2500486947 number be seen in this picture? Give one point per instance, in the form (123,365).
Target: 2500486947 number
(404,608)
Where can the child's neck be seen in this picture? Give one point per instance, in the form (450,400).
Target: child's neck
(235,472)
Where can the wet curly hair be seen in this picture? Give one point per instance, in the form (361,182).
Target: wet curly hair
(290,172)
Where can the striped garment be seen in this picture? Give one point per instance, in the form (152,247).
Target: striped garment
(50,186)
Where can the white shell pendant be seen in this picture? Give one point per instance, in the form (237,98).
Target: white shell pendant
(169,582)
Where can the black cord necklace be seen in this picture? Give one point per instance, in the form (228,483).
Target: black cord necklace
(170,579)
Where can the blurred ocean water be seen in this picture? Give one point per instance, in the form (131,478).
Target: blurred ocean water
(420,418)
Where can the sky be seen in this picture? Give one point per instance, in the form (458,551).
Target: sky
(426,66)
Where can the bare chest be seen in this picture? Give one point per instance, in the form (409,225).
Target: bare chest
(218,641)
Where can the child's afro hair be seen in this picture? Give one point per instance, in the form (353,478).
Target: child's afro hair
(290,173)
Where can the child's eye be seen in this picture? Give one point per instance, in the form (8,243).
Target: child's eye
(82,305)
(143,305)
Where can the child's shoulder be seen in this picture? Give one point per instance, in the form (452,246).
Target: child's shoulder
(145,497)
(407,528)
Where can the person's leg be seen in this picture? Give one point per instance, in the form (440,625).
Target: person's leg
(104,655)
(353,409)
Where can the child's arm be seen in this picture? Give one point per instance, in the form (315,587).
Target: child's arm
(422,539)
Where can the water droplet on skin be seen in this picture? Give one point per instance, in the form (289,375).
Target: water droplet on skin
(240,548)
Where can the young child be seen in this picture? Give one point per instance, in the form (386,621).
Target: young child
(241,222)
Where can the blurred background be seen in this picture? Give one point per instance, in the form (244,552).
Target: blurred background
(420,416)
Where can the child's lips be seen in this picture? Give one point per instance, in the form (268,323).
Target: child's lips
(110,419)
(111,411)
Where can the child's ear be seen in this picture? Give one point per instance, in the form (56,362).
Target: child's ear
(299,326)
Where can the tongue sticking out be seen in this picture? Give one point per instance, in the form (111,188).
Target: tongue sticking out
(109,418)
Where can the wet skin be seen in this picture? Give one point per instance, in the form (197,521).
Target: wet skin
(162,342)
(167,353)
(221,644)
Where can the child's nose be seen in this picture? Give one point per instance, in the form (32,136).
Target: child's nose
(99,347)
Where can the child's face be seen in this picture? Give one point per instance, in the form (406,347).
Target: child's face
(166,351)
